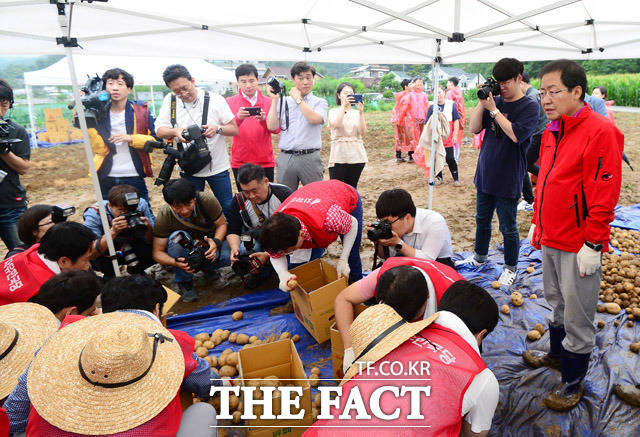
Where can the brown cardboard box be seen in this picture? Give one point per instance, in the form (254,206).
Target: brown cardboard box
(337,347)
(281,359)
(318,286)
(167,308)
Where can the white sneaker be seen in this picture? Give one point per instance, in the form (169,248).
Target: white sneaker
(472,261)
(507,277)
(525,206)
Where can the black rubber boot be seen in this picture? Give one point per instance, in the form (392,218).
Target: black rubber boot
(574,368)
(537,358)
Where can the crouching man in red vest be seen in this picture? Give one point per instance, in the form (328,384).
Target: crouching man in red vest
(413,287)
(65,246)
(456,393)
(313,216)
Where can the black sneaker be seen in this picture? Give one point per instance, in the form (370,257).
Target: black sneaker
(187,291)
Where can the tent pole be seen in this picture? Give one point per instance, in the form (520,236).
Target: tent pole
(434,117)
(32,118)
(89,153)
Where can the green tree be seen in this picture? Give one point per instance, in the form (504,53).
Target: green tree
(389,82)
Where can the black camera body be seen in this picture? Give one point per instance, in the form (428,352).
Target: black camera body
(61,211)
(490,86)
(133,216)
(380,230)
(194,135)
(246,264)
(276,86)
(6,136)
(195,256)
(95,101)
(173,156)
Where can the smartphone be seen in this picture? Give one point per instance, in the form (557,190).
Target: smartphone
(357,98)
(253,110)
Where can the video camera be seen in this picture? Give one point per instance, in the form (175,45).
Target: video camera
(6,135)
(246,264)
(490,86)
(195,256)
(61,211)
(95,101)
(133,216)
(173,155)
(380,230)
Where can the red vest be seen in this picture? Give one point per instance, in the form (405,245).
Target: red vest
(165,424)
(441,276)
(4,423)
(22,275)
(453,364)
(141,113)
(310,204)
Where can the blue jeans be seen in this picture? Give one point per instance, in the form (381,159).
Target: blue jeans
(9,218)
(220,185)
(136,181)
(506,208)
(176,251)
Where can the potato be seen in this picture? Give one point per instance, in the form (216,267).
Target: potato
(236,417)
(612,308)
(253,339)
(533,296)
(601,308)
(197,344)
(238,315)
(215,370)
(285,335)
(270,381)
(516,299)
(296,338)
(208,344)
(533,335)
(629,324)
(233,402)
(202,352)
(316,400)
(292,283)
(242,339)
(634,347)
(225,334)
(601,324)
(216,332)
(232,337)
(215,401)
(538,327)
(531,264)
(314,380)
(505,309)
(232,359)
(530,270)
(616,323)
(203,336)
(636,313)
(229,371)
(315,371)
(495,284)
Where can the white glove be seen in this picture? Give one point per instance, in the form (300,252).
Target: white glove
(347,360)
(532,229)
(589,261)
(343,268)
(285,285)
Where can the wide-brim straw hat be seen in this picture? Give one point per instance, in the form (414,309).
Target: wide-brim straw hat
(377,331)
(100,375)
(24,326)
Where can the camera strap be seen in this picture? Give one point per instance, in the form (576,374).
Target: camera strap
(242,202)
(205,108)
(283,98)
(205,113)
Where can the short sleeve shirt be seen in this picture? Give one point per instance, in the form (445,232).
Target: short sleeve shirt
(167,222)
(301,135)
(12,193)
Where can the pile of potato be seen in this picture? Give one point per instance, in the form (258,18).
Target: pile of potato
(625,240)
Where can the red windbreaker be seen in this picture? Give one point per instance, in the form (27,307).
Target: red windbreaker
(579,182)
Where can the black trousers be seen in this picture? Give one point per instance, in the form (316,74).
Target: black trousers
(533,153)
(347,173)
(451,162)
(268,171)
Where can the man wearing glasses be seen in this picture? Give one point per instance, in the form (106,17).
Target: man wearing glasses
(510,120)
(217,120)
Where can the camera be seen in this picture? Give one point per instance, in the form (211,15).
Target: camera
(193,135)
(246,264)
(195,256)
(129,258)
(380,230)
(95,101)
(173,156)
(490,86)
(5,136)
(253,110)
(3,174)
(61,211)
(133,216)
(276,85)
(356,98)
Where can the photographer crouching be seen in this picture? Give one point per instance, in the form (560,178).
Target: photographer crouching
(188,235)
(131,224)
(14,161)
(257,202)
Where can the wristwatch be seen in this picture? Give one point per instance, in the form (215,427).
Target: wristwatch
(298,101)
(217,242)
(494,113)
(219,130)
(596,247)
(398,247)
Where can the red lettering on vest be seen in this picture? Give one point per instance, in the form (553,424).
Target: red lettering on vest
(22,275)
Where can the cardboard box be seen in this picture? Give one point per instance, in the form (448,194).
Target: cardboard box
(280,359)
(318,286)
(167,308)
(337,347)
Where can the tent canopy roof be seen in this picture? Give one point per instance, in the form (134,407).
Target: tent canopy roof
(145,70)
(364,31)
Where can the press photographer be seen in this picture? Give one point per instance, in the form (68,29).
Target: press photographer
(14,161)
(123,127)
(207,119)
(131,224)
(188,235)
(249,209)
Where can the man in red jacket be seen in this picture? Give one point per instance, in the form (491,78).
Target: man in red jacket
(313,216)
(253,142)
(65,246)
(578,188)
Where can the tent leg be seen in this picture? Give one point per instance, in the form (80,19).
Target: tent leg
(434,124)
(89,153)
(153,101)
(32,118)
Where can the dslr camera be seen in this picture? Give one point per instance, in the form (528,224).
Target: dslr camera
(173,156)
(246,264)
(61,211)
(95,101)
(276,85)
(193,135)
(490,86)
(133,216)
(195,256)
(380,230)
(6,135)
(129,258)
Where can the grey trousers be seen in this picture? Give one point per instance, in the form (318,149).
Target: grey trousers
(294,169)
(199,420)
(573,299)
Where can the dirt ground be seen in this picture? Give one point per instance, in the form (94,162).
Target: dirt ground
(61,174)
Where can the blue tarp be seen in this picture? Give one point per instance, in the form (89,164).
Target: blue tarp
(521,411)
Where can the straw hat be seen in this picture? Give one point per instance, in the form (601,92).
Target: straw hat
(24,327)
(377,331)
(106,374)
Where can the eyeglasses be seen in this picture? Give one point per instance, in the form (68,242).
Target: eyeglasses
(180,91)
(551,94)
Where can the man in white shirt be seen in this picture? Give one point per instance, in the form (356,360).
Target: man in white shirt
(416,232)
(218,122)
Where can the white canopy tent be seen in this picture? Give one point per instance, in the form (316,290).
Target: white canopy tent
(145,71)
(404,31)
